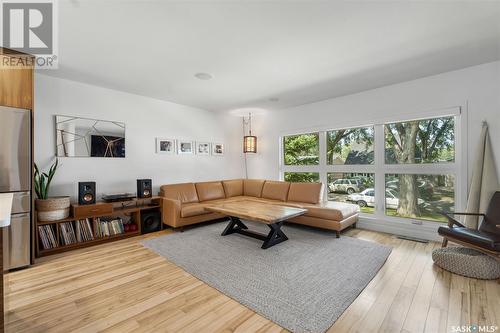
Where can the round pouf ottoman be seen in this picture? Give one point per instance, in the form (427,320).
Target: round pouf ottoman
(467,262)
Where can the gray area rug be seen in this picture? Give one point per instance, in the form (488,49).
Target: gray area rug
(303,284)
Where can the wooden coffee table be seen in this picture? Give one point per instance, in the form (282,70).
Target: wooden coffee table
(270,214)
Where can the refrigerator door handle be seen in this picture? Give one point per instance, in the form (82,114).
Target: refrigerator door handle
(20,215)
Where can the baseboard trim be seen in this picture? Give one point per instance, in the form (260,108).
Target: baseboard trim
(426,231)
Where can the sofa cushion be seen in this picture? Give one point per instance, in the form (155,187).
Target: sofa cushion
(210,191)
(193,209)
(331,210)
(253,187)
(185,193)
(305,192)
(233,188)
(275,190)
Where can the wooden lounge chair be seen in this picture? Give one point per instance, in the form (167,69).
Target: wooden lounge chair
(486,239)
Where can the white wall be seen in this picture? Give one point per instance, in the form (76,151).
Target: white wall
(477,88)
(145,119)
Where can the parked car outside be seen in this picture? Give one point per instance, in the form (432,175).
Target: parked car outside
(425,188)
(348,186)
(363,179)
(367,198)
(363,199)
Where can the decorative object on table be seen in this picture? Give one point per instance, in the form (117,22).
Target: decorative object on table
(484,180)
(144,188)
(486,239)
(118,197)
(202,148)
(185,147)
(49,208)
(5,208)
(86,193)
(467,262)
(165,146)
(84,137)
(249,141)
(217,149)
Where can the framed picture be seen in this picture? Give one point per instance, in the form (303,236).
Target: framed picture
(165,146)
(202,148)
(185,147)
(217,149)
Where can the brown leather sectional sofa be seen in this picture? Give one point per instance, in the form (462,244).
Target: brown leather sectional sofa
(183,204)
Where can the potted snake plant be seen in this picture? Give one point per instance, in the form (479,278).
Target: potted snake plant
(49,208)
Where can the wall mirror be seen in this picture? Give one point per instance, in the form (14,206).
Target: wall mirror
(84,137)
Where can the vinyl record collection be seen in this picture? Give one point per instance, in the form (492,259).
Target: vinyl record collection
(47,236)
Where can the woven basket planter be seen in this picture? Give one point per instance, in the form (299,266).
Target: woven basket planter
(467,262)
(52,209)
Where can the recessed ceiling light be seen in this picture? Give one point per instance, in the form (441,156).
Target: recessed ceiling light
(274,99)
(203,76)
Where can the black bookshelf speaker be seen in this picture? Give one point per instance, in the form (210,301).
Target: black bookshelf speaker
(150,221)
(144,188)
(86,193)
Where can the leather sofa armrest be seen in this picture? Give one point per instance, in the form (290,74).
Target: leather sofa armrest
(170,211)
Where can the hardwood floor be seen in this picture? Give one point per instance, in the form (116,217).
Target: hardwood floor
(123,287)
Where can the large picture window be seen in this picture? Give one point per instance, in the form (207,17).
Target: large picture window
(420,141)
(419,196)
(350,146)
(358,188)
(415,162)
(302,149)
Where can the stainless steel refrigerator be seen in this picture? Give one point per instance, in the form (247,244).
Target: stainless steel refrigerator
(15,177)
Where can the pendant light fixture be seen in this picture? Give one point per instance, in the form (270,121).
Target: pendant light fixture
(249,141)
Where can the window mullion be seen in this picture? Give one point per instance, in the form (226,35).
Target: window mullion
(379,170)
(322,163)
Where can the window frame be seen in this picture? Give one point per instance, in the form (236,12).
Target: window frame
(379,168)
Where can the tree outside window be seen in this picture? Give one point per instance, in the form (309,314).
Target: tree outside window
(433,194)
(416,142)
(302,149)
(302,177)
(350,146)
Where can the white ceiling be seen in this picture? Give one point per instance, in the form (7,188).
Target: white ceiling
(299,52)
